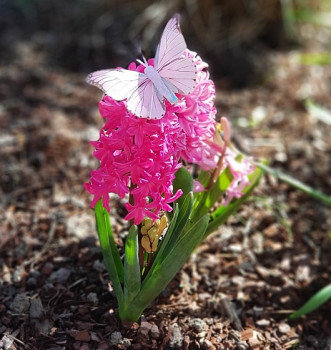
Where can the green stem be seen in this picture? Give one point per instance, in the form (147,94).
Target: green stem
(109,250)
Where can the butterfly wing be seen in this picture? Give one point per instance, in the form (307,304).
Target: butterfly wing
(117,83)
(145,102)
(172,44)
(140,93)
(143,99)
(177,71)
(180,75)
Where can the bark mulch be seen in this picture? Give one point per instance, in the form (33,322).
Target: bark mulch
(239,287)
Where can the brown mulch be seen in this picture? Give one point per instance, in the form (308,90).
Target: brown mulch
(238,288)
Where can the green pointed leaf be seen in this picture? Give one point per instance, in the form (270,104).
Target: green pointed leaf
(184,214)
(183,249)
(314,302)
(173,235)
(109,250)
(207,199)
(132,275)
(219,187)
(296,184)
(221,214)
(167,236)
(159,277)
(183,181)
(204,177)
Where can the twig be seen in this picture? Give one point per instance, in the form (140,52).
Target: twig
(22,191)
(77,282)
(38,256)
(229,310)
(17,340)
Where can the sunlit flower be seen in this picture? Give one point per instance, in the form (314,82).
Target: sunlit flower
(139,157)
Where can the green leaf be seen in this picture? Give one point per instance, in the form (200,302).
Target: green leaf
(159,277)
(220,186)
(174,234)
(182,250)
(167,236)
(314,302)
(220,215)
(184,214)
(204,177)
(315,58)
(183,181)
(132,276)
(318,112)
(205,202)
(109,250)
(296,184)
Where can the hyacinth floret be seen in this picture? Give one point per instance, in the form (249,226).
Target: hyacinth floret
(139,157)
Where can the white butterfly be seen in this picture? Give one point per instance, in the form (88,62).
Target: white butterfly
(145,92)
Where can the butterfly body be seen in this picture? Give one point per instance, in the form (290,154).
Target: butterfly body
(145,92)
(159,84)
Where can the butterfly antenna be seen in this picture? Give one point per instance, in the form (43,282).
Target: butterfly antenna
(141,62)
(144,62)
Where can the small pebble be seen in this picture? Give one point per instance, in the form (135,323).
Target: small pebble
(31,282)
(115,338)
(207,345)
(155,333)
(34,273)
(242,345)
(201,335)
(198,325)
(312,341)
(6,342)
(263,323)
(176,338)
(80,225)
(209,321)
(92,297)
(126,342)
(99,266)
(21,303)
(47,268)
(235,248)
(18,273)
(145,327)
(284,328)
(60,276)
(84,347)
(36,308)
(48,287)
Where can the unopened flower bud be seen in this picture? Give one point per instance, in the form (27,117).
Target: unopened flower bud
(143,230)
(146,244)
(226,130)
(154,245)
(163,222)
(148,223)
(152,234)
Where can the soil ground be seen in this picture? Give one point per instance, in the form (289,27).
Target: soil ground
(239,287)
